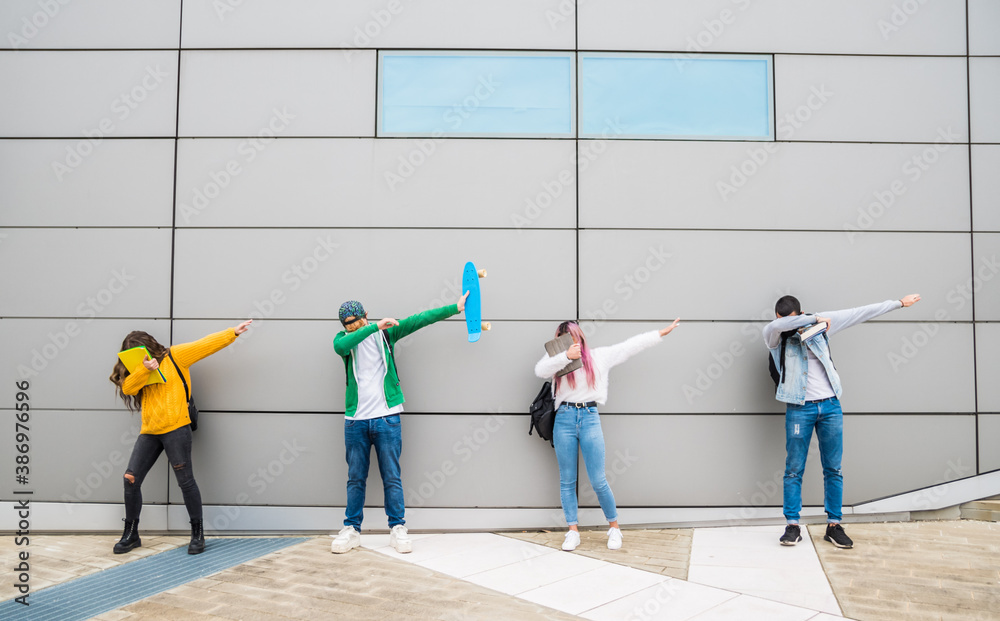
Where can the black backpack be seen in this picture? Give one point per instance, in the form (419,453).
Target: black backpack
(543,413)
(778,374)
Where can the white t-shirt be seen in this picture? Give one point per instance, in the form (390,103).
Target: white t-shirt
(818,384)
(370,370)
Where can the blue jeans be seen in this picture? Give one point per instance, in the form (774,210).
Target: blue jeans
(386,435)
(579,430)
(828,419)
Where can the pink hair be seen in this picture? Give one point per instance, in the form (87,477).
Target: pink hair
(588,362)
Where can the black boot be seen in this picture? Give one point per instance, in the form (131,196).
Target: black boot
(130,538)
(197,545)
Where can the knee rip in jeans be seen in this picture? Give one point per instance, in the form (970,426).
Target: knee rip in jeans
(178,466)
(130,477)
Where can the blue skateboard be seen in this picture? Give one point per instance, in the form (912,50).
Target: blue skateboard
(473,304)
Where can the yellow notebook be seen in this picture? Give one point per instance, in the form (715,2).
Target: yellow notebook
(132,359)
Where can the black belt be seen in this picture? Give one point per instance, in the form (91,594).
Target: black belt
(577,404)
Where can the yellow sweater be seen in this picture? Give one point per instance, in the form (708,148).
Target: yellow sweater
(164,407)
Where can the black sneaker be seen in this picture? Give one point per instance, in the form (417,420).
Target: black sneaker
(835,534)
(792,535)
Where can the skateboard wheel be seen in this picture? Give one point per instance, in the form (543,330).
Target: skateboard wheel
(482,273)
(486,326)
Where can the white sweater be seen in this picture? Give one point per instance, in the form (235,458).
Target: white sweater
(604,358)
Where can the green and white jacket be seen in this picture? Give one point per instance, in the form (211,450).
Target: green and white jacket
(345,342)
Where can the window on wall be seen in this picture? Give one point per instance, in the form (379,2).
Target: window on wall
(708,97)
(476,94)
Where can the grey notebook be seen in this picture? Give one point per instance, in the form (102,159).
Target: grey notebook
(561,344)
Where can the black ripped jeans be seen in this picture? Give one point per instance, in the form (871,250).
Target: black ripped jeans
(147,449)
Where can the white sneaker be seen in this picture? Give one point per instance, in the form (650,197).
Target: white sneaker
(400,540)
(614,538)
(346,539)
(571,541)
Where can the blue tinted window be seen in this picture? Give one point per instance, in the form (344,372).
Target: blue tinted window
(676,96)
(486,94)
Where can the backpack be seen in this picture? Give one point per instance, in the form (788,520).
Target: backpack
(543,413)
(778,374)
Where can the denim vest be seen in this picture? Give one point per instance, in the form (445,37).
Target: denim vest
(793,388)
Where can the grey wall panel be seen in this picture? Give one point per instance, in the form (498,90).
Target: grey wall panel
(989,440)
(79,457)
(696,461)
(984,94)
(988,366)
(984,285)
(879,27)
(441,371)
(93,94)
(739,460)
(985,188)
(247,458)
(984,22)
(882,99)
(737,275)
(518,24)
(840,187)
(122,183)
(104,24)
(393,272)
(85,273)
(447,461)
(414,183)
(264,93)
(68,361)
(276,366)
(712,367)
(889,366)
(888,455)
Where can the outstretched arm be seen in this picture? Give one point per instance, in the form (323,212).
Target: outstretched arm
(413,323)
(187,354)
(843,319)
(773,330)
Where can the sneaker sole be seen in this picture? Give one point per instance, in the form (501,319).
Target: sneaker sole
(839,545)
(338,550)
(790,543)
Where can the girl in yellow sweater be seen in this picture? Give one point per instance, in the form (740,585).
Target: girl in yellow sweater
(166,425)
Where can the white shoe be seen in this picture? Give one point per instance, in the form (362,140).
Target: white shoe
(614,538)
(400,540)
(346,539)
(571,541)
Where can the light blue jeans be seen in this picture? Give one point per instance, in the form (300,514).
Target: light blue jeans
(579,430)
(828,419)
